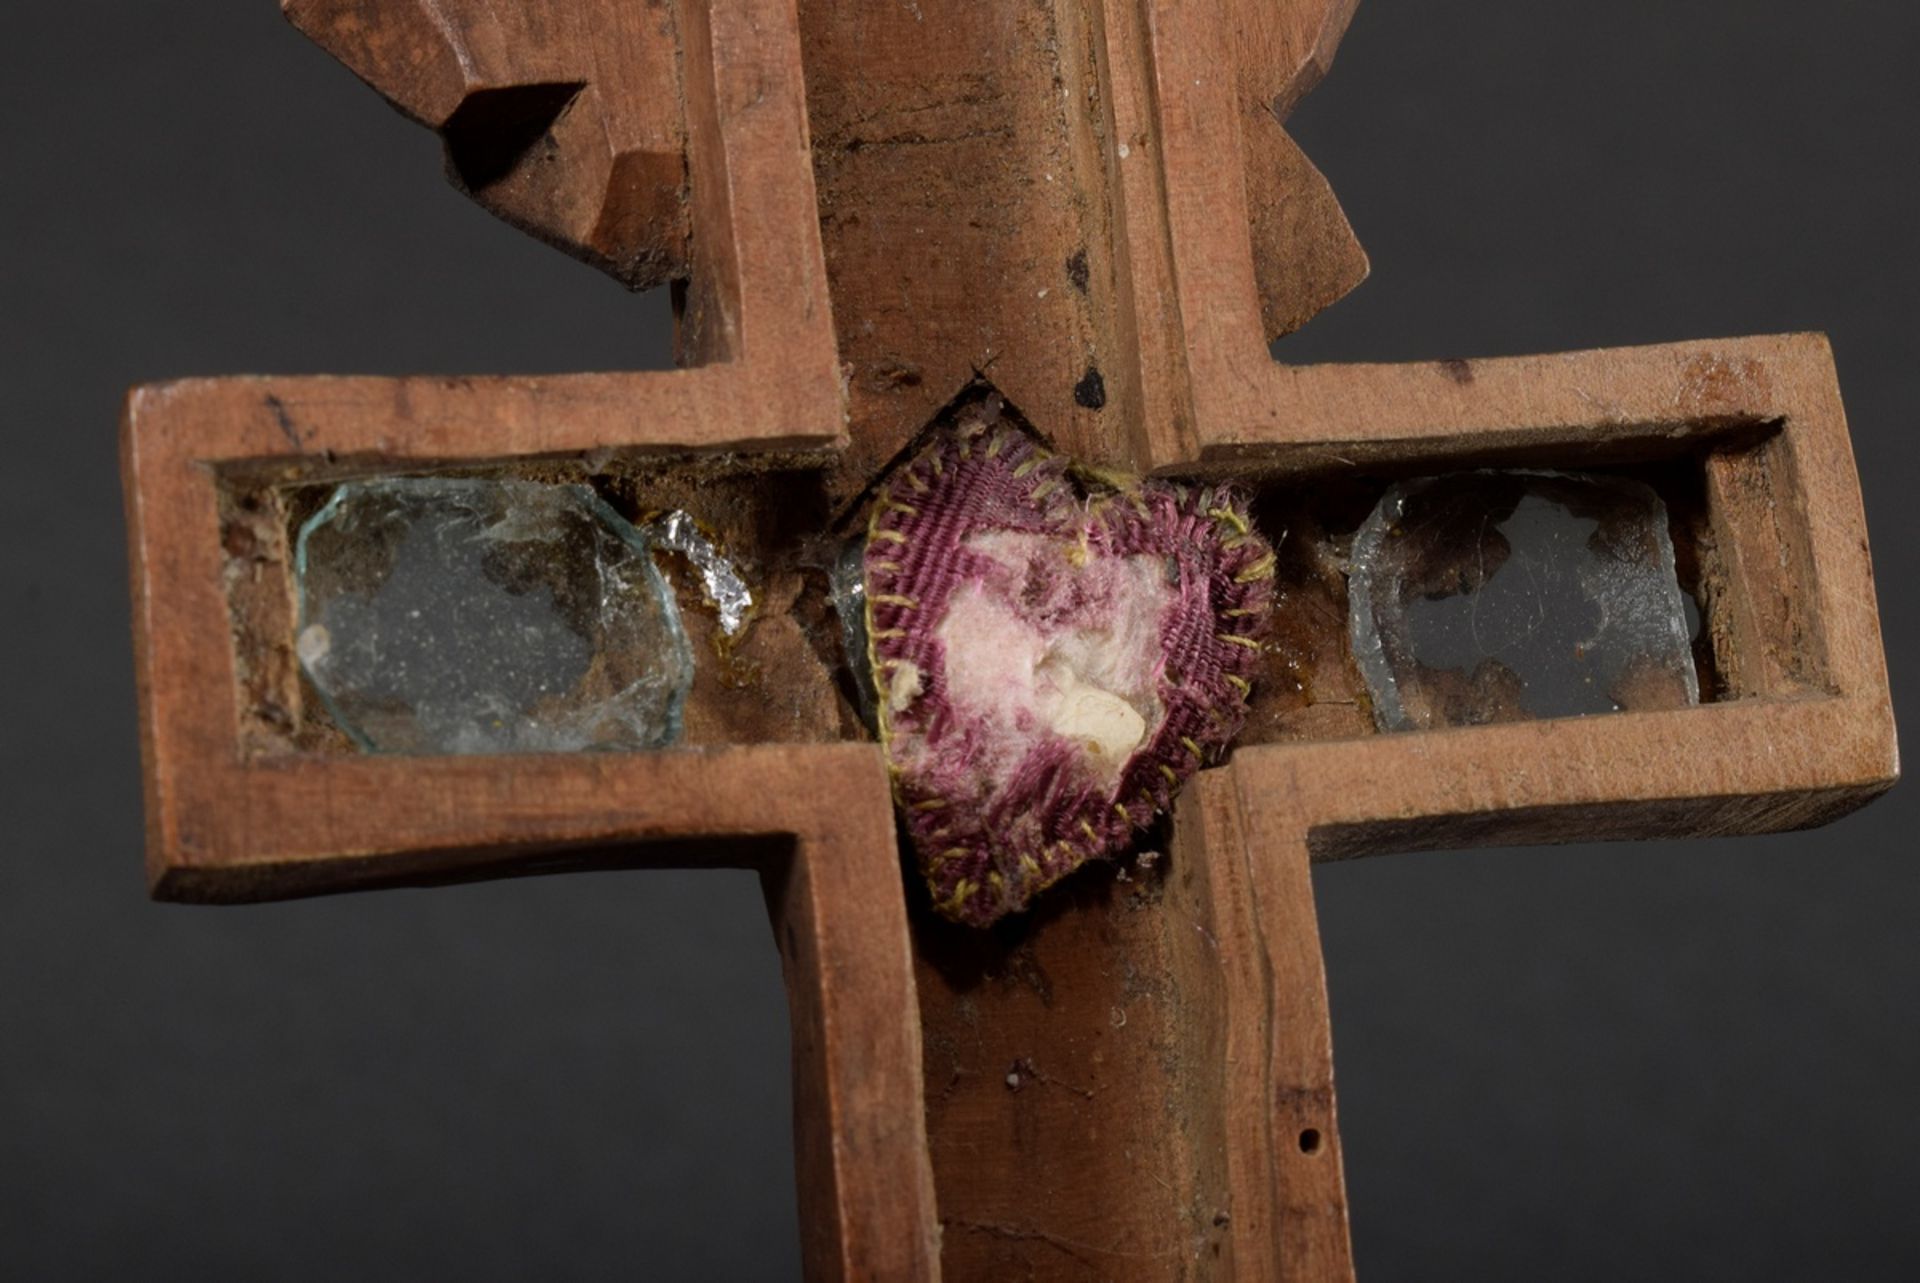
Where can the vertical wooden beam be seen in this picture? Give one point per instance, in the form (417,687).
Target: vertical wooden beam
(865,1184)
(1246,871)
(1137,1081)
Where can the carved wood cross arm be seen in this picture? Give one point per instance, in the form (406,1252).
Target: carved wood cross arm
(872,217)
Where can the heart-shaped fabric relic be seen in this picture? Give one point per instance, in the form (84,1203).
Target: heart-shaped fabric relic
(1055,652)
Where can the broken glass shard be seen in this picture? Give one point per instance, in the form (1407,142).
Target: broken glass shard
(1500,596)
(443,615)
(847,585)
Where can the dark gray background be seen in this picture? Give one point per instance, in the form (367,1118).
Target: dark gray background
(1673,1061)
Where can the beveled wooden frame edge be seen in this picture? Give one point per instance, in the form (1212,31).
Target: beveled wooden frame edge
(778,390)
(223,827)
(1810,732)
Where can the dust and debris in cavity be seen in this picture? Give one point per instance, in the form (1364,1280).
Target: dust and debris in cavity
(1142,868)
(485,616)
(1512,595)
(735,532)
(257,576)
(1310,686)
(764,523)
(708,513)
(1144,863)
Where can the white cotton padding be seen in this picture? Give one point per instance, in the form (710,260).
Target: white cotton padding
(1080,664)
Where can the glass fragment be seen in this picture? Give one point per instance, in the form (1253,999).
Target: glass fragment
(442,615)
(847,585)
(1498,596)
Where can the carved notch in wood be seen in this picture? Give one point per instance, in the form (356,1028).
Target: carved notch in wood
(567,121)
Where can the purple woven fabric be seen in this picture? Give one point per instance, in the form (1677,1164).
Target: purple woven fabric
(1055,654)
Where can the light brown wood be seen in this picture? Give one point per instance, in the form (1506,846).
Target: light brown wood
(243,802)
(869,210)
(565,120)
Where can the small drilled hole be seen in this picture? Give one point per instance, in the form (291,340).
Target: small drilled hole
(1310,1141)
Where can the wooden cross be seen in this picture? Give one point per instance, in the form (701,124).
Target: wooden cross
(865,209)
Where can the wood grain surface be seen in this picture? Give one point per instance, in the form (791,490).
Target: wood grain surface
(868,210)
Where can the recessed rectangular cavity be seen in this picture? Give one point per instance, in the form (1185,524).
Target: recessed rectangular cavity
(734,549)
(1503,595)
(1509,594)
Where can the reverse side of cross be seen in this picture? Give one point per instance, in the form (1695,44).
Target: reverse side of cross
(864,207)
